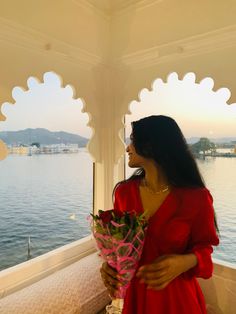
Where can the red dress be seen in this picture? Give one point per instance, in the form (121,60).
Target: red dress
(184,223)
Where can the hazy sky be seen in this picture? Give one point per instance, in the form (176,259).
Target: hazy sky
(46,105)
(198,110)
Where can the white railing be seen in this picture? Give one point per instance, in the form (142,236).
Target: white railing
(219,291)
(26,273)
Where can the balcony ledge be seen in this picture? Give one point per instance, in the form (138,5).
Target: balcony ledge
(26,273)
(219,291)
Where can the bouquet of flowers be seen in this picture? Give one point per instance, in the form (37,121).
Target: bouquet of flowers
(120,238)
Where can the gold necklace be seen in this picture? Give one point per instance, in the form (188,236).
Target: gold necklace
(165,189)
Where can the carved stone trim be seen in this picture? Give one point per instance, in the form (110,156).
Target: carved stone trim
(128,5)
(111,9)
(95,6)
(12,33)
(195,45)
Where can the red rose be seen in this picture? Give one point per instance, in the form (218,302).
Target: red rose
(118,213)
(106,216)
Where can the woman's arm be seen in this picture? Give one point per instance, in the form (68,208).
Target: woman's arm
(109,277)
(197,260)
(203,236)
(164,269)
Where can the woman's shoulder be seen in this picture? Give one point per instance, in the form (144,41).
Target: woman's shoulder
(127,183)
(195,202)
(195,194)
(192,190)
(125,195)
(123,186)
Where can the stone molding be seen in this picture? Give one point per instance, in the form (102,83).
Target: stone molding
(194,45)
(96,7)
(125,6)
(15,34)
(110,8)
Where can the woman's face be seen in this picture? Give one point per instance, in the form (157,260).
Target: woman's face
(135,160)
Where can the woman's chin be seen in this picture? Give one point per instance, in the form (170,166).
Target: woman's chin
(132,165)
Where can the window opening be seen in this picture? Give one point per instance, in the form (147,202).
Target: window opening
(47,191)
(208,124)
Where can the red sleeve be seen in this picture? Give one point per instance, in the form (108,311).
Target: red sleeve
(126,197)
(118,198)
(203,235)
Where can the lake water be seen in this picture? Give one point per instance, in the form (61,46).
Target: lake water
(48,198)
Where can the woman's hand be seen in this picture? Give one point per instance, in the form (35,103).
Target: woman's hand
(164,269)
(109,277)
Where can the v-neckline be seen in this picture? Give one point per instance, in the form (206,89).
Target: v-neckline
(159,208)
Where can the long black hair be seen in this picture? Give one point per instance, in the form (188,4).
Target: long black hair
(160,138)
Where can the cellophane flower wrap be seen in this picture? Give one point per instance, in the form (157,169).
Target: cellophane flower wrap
(120,239)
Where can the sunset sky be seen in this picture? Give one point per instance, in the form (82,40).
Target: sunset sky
(198,110)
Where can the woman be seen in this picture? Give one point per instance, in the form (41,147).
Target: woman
(169,189)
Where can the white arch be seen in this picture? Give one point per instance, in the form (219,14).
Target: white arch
(160,88)
(34,83)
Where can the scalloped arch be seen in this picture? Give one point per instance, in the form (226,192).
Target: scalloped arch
(39,79)
(192,77)
(172,77)
(3,150)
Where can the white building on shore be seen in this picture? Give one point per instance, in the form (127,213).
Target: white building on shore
(44,149)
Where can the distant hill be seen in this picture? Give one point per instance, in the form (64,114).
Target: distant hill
(193,140)
(42,136)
